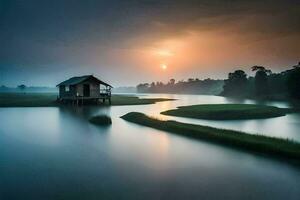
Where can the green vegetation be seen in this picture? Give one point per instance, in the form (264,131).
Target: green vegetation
(118,100)
(293,82)
(101,120)
(258,143)
(261,83)
(228,111)
(190,86)
(236,84)
(28,99)
(264,85)
(49,99)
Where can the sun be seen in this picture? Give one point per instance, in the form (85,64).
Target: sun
(164,66)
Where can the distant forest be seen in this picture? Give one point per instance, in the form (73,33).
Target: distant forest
(24,88)
(191,86)
(35,89)
(264,84)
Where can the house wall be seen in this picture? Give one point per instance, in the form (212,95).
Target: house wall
(77,90)
(94,88)
(63,93)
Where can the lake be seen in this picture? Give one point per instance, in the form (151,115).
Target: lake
(55,153)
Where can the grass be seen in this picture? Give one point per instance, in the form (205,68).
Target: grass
(101,120)
(28,99)
(49,100)
(267,145)
(119,100)
(228,111)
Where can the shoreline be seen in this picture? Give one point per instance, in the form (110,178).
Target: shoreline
(8,100)
(228,111)
(259,144)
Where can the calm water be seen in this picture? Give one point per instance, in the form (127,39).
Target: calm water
(54,153)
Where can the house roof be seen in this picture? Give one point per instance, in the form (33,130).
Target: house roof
(79,79)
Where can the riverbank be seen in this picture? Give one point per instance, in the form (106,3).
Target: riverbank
(120,100)
(49,100)
(257,143)
(228,111)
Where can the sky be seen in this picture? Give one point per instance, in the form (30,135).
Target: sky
(126,42)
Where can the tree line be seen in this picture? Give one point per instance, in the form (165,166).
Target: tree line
(190,86)
(264,84)
(26,89)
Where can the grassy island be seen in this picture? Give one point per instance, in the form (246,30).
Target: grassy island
(101,120)
(49,100)
(228,111)
(257,143)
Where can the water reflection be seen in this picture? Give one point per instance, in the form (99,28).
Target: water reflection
(55,152)
(86,111)
(45,121)
(283,127)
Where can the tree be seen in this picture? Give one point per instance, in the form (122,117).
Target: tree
(172,81)
(293,82)
(143,87)
(261,80)
(22,87)
(190,80)
(236,84)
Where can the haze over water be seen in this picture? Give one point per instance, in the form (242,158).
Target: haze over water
(55,153)
(176,46)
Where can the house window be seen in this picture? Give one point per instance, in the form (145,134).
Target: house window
(67,88)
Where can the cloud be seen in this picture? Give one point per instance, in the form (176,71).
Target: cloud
(75,33)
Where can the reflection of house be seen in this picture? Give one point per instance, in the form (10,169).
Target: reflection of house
(84,88)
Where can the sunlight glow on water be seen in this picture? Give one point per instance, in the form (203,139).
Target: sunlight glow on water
(285,127)
(55,153)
